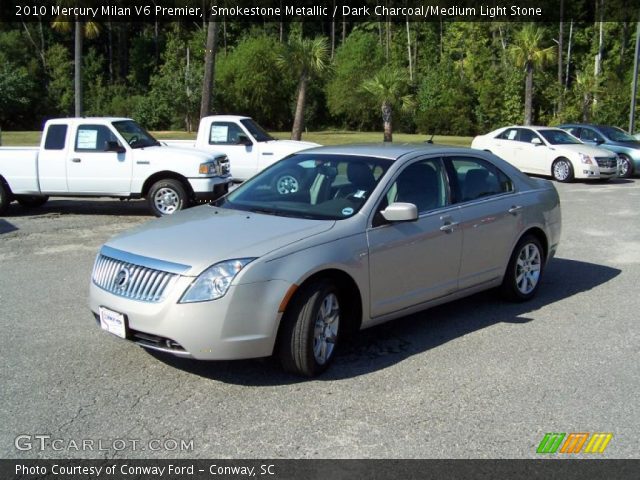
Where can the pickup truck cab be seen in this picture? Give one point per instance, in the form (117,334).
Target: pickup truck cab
(109,157)
(250,149)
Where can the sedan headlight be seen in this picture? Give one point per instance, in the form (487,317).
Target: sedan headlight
(214,282)
(586,159)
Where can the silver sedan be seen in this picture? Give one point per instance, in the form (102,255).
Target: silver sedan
(360,235)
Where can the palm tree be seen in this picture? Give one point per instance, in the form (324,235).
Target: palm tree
(527,52)
(307,58)
(82,29)
(390,88)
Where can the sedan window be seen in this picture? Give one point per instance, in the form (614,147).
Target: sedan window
(558,137)
(475,178)
(421,183)
(588,135)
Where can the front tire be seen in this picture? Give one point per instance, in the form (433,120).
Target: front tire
(522,278)
(32,201)
(562,170)
(625,167)
(311,330)
(166,197)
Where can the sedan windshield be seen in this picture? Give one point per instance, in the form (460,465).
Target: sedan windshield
(617,134)
(321,187)
(256,130)
(558,137)
(134,134)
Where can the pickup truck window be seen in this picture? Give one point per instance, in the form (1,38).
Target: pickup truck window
(134,134)
(256,130)
(56,135)
(224,133)
(93,138)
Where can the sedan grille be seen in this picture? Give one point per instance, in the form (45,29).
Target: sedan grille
(131,281)
(607,162)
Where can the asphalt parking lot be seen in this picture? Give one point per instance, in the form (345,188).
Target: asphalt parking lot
(478,378)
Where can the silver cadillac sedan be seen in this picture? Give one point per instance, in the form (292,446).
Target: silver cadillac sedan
(326,242)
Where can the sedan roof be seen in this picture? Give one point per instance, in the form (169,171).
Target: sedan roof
(391,151)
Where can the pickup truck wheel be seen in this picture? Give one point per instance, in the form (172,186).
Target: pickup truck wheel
(287,182)
(32,201)
(311,330)
(5,198)
(167,197)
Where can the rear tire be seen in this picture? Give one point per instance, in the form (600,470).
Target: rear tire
(311,330)
(5,198)
(524,272)
(167,197)
(32,201)
(626,166)
(562,170)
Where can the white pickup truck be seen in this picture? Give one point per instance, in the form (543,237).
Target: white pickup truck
(248,146)
(109,157)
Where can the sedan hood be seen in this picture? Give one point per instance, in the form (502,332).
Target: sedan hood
(585,149)
(202,236)
(633,145)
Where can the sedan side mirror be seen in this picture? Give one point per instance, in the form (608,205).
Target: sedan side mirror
(400,212)
(244,140)
(536,141)
(114,146)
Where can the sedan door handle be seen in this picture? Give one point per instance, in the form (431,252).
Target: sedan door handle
(448,227)
(515,209)
(76,160)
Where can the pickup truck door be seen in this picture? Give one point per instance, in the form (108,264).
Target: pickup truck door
(239,145)
(92,167)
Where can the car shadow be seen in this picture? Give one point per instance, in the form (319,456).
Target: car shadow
(57,207)
(6,227)
(388,344)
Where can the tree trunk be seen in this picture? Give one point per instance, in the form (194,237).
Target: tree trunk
(333,33)
(566,76)
(298,119)
(528,95)
(387,121)
(560,45)
(409,49)
(209,68)
(79,31)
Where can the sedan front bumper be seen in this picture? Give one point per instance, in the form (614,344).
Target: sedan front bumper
(228,328)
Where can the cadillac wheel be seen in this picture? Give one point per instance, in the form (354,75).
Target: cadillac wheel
(311,330)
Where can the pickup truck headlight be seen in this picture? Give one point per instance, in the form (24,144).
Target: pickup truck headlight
(586,159)
(207,168)
(214,282)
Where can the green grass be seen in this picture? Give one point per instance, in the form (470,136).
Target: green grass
(327,137)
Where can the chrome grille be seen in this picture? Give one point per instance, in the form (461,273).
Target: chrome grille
(131,281)
(222,165)
(607,162)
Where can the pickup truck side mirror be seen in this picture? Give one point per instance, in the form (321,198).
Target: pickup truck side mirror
(114,146)
(244,140)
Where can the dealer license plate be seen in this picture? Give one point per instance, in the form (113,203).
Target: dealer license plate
(113,322)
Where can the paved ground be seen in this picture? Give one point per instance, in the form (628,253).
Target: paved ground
(478,378)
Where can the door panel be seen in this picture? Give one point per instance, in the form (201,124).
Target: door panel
(91,169)
(243,159)
(489,217)
(414,262)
